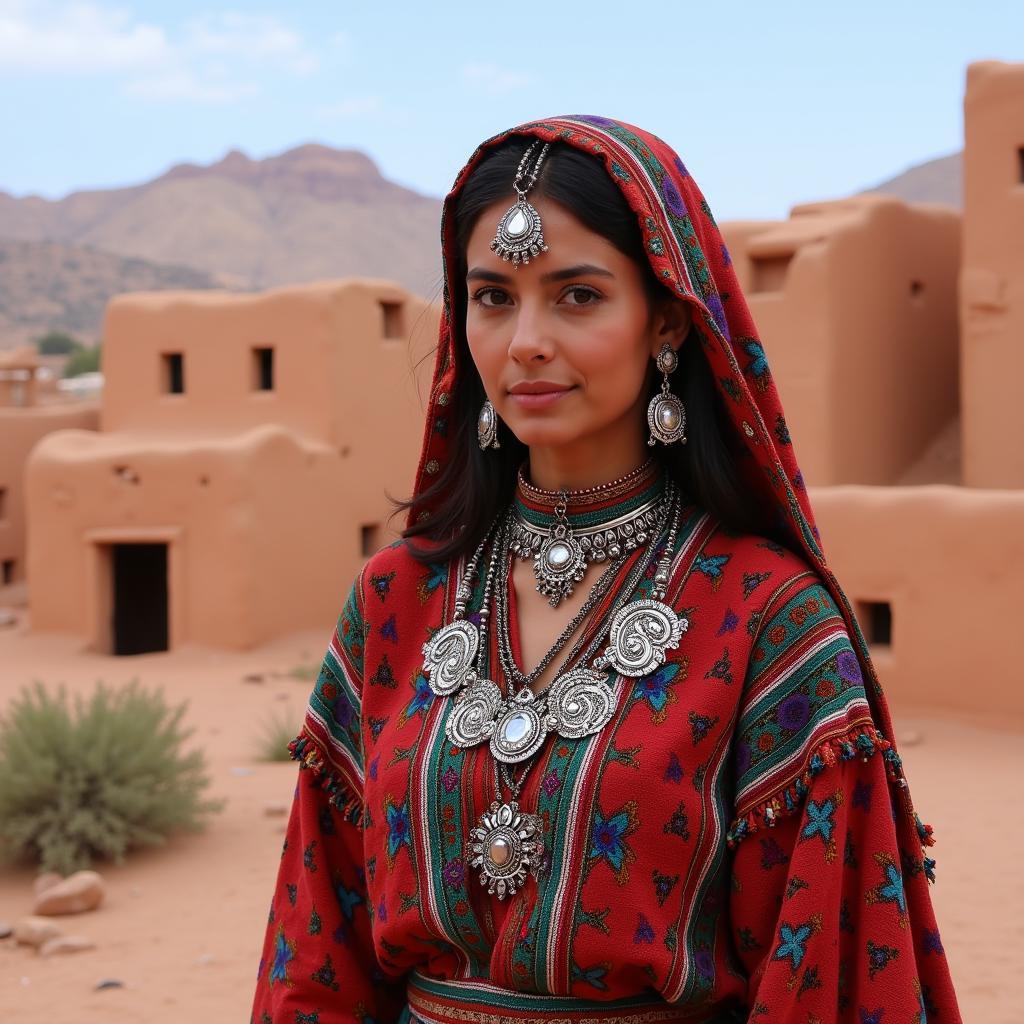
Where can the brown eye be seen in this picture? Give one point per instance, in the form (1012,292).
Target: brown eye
(490,297)
(582,296)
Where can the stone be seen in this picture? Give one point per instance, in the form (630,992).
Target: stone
(34,931)
(61,944)
(82,891)
(109,983)
(8,617)
(517,224)
(47,880)
(275,810)
(668,416)
(559,555)
(5,930)
(516,728)
(499,851)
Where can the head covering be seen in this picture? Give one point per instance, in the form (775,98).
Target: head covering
(687,254)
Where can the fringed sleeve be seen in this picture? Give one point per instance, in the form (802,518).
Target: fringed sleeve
(829,905)
(319,964)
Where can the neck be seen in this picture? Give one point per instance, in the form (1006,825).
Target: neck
(553,469)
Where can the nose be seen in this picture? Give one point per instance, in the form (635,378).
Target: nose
(530,339)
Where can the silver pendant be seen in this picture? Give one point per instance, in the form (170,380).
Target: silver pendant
(560,564)
(472,717)
(666,419)
(639,636)
(580,703)
(519,729)
(505,845)
(519,235)
(448,656)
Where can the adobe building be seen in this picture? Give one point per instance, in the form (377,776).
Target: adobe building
(28,412)
(992,276)
(899,360)
(238,478)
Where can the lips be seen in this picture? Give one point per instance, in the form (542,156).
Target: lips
(537,387)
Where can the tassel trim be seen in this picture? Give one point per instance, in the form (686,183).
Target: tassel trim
(339,790)
(862,741)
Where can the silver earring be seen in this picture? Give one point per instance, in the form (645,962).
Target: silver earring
(487,426)
(666,414)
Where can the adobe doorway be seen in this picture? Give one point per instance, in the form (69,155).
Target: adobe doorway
(138,598)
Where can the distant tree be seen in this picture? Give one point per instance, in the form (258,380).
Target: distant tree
(57,343)
(82,360)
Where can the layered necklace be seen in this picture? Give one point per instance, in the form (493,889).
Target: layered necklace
(507,842)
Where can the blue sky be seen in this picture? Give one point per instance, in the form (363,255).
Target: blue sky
(768,104)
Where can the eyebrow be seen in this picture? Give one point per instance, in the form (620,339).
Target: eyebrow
(565,274)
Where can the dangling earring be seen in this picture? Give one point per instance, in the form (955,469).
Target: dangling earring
(487,426)
(666,415)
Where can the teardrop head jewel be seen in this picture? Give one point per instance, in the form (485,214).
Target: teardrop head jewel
(520,235)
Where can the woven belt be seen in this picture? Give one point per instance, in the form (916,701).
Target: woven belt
(440,1001)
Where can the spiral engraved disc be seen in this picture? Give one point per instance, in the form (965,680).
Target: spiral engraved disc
(472,717)
(580,703)
(448,657)
(639,636)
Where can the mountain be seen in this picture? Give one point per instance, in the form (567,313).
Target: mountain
(312,212)
(51,286)
(307,214)
(935,181)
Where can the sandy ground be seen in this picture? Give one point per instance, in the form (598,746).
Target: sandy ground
(182,925)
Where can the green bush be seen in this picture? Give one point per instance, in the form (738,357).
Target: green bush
(57,343)
(97,782)
(278,731)
(82,360)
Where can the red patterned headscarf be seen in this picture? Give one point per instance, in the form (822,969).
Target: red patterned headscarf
(687,254)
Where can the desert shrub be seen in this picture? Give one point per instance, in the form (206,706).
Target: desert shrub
(57,343)
(277,732)
(95,781)
(83,360)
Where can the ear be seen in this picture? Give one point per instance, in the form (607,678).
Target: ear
(671,323)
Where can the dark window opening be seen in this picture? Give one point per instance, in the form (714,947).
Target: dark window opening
(392,314)
(875,618)
(3,504)
(916,289)
(1020,163)
(140,605)
(769,272)
(174,373)
(369,538)
(263,369)
(7,571)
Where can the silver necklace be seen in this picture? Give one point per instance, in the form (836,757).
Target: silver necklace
(508,842)
(560,554)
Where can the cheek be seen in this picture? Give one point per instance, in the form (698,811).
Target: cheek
(612,352)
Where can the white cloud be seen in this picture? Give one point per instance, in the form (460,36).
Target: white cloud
(212,58)
(76,37)
(494,79)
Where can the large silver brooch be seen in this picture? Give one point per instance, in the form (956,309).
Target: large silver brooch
(505,846)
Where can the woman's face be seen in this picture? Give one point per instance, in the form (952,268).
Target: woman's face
(576,321)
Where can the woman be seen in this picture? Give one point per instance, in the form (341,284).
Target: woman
(599,738)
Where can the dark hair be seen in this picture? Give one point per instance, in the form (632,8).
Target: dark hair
(475,485)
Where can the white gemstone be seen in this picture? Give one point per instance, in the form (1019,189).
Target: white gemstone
(516,728)
(668,416)
(559,555)
(517,224)
(485,416)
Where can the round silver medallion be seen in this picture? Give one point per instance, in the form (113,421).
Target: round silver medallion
(666,417)
(559,564)
(579,703)
(472,718)
(519,732)
(639,636)
(448,656)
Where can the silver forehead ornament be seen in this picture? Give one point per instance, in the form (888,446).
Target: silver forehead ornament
(520,235)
